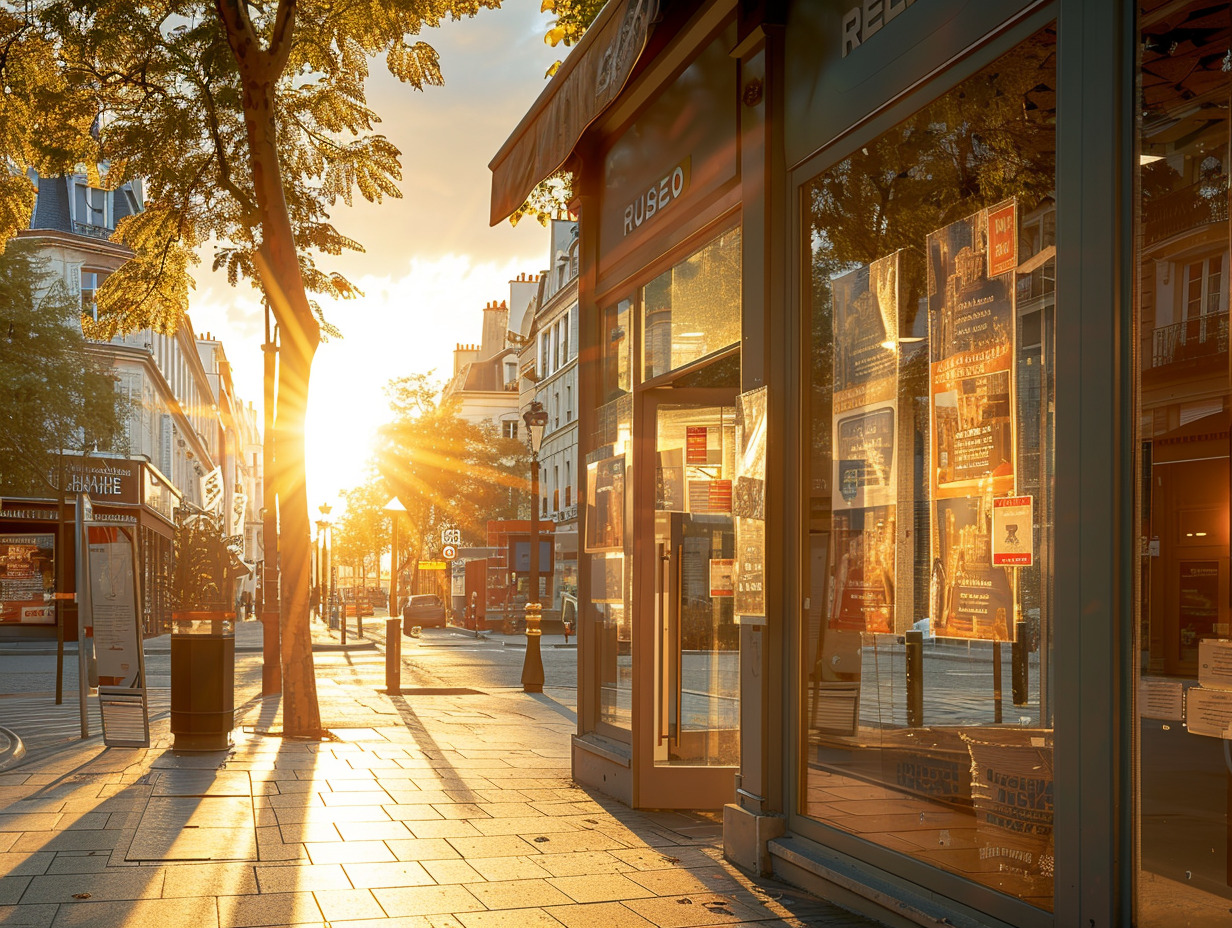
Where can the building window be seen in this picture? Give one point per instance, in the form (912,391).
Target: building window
(556,410)
(929,482)
(509,428)
(90,209)
(545,354)
(692,310)
(90,281)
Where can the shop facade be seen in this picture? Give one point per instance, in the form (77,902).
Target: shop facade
(904,432)
(37,556)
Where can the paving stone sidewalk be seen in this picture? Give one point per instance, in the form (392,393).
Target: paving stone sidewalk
(429,810)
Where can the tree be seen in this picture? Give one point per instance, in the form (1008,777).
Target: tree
(246,122)
(56,395)
(448,472)
(364,527)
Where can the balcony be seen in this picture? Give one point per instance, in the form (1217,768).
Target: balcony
(1182,210)
(99,232)
(1203,337)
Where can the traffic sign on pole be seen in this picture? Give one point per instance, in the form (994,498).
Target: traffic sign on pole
(449,552)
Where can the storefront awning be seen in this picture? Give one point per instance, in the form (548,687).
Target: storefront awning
(583,87)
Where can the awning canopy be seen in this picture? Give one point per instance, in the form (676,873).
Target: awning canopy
(582,88)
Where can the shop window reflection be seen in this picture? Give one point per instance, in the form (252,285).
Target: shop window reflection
(926,715)
(1184,622)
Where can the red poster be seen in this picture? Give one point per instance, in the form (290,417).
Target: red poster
(695,444)
(720,495)
(1002,239)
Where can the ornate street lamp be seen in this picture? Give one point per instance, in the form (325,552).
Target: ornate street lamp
(532,668)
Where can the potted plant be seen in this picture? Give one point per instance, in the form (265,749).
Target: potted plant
(205,566)
(203,638)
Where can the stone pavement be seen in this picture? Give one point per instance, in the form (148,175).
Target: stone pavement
(432,809)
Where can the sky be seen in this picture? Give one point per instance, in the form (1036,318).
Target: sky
(431,260)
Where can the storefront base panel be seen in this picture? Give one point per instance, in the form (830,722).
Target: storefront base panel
(746,836)
(865,890)
(603,765)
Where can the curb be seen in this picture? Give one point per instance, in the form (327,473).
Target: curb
(12,749)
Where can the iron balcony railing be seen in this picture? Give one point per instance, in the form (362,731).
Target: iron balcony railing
(1201,337)
(1187,208)
(84,228)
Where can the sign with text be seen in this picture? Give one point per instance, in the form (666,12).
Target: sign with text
(722,576)
(106,480)
(971,395)
(212,491)
(1011,531)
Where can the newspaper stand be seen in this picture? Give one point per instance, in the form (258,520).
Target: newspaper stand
(202,682)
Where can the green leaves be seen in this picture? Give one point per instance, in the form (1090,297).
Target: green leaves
(54,392)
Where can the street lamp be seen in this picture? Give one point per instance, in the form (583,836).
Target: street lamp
(393,507)
(532,668)
(326,584)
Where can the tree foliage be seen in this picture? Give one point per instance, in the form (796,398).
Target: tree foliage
(246,122)
(364,530)
(55,394)
(447,472)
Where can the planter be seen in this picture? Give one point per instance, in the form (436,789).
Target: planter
(202,680)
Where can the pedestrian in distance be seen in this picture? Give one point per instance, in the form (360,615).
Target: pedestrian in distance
(314,600)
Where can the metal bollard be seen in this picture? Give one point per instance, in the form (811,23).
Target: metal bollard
(1018,662)
(393,656)
(915,678)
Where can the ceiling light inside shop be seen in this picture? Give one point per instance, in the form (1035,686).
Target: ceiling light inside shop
(1149,159)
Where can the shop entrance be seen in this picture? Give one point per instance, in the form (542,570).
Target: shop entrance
(689,743)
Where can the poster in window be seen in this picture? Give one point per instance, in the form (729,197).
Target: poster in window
(971,597)
(746,499)
(1199,604)
(971,266)
(971,353)
(27,571)
(866,306)
(669,480)
(606,509)
(862,592)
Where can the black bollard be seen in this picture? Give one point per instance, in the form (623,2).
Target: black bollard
(915,678)
(393,656)
(996,681)
(1018,660)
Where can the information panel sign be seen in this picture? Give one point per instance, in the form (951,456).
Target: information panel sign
(27,571)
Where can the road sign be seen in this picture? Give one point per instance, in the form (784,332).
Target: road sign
(449,552)
(451,536)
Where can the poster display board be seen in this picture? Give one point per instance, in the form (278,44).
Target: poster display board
(971,266)
(864,488)
(27,572)
(747,503)
(111,611)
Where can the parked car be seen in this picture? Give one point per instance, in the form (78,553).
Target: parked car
(425,610)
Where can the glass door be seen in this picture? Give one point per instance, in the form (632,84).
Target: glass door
(690,744)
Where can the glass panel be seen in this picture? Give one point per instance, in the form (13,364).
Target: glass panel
(1184,707)
(617,348)
(925,712)
(694,309)
(609,558)
(698,648)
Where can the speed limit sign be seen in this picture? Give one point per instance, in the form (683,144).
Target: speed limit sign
(449,552)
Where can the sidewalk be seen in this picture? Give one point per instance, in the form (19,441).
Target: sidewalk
(428,810)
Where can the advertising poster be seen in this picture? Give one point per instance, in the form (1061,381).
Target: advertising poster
(605,529)
(974,599)
(971,267)
(865,385)
(747,502)
(722,576)
(27,571)
(113,606)
(863,589)
(1011,532)
(864,442)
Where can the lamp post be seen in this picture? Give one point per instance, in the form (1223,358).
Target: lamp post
(327,591)
(532,668)
(394,507)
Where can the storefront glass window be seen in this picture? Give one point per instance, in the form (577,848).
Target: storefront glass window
(925,705)
(609,557)
(692,310)
(1184,623)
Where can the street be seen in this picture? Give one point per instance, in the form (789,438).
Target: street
(441,657)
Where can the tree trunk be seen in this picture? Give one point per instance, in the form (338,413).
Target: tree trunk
(278,265)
